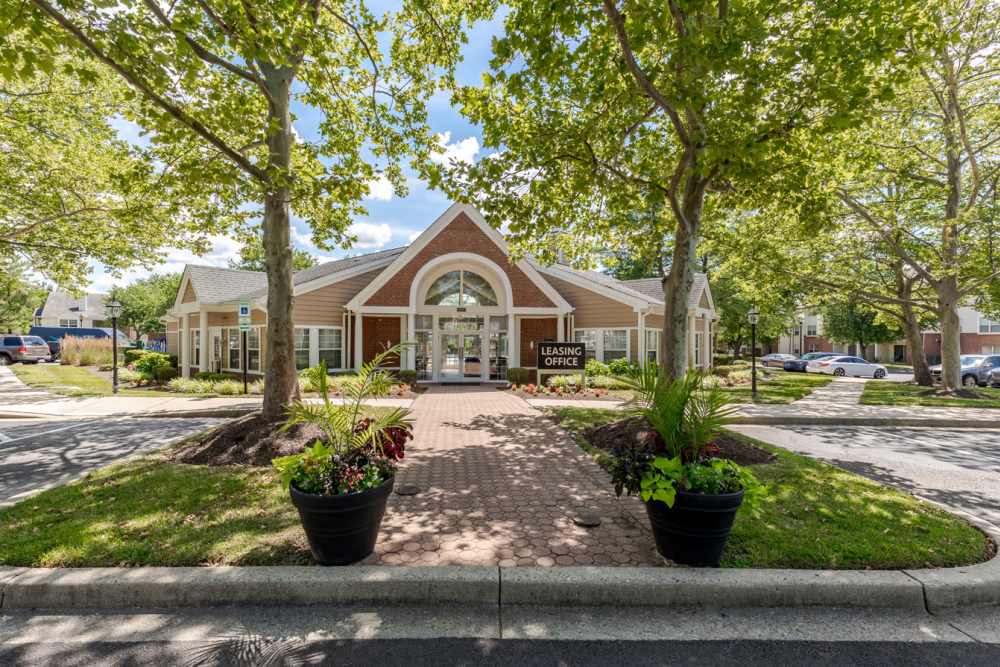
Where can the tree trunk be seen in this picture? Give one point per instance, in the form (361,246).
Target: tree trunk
(951,340)
(280,382)
(677,284)
(863,348)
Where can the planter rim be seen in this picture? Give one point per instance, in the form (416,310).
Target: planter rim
(699,494)
(353,494)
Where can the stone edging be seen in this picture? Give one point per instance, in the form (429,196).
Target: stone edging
(75,588)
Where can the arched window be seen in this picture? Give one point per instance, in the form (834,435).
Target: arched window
(461,288)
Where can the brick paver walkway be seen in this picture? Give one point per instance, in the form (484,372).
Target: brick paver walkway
(499,486)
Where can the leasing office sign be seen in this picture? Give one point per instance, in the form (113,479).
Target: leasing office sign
(555,356)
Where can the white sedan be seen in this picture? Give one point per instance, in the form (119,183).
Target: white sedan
(842,366)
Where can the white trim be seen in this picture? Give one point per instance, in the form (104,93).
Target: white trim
(460,258)
(428,235)
(599,350)
(185,281)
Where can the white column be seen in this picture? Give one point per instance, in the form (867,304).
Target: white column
(411,337)
(706,343)
(203,341)
(357,340)
(515,342)
(641,336)
(184,333)
(561,333)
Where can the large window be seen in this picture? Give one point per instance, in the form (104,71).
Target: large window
(615,344)
(301,348)
(811,329)
(603,344)
(652,345)
(461,288)
(697,347)
(69,323)
(196,347)
(330,347)
(233,349)
(987,325)
(253,349)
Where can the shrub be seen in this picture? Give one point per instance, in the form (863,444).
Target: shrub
(132,354)
(607,382)
(130,376)
(340,383)
(620,367)
(722,359)
(595,367)
(306,385)
(164,374)
(256,387)
(190,386)
(567,382)
(228,387)
(150,361)
(519,375)
(407,377)
(211,377)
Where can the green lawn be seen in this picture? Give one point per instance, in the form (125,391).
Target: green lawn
(149,511)
(818,516)
(74,381)
(898,393)
(778,387)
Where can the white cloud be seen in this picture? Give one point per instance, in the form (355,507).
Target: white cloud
(464,150)
(221,251)
(413,236)
(371,235)
(380,189)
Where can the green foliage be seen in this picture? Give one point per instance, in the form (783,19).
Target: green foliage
(620,367)
(211,377)
(131,354)
(146,300)
(304,469)
(408,377)
(595,367)
(164,374)
(252,255)
(190,386)
(851,322)
(518,375)
(564,381)
(607,382)
(79,351)
(19,297)
(150,361)
(685,415)
(228,387)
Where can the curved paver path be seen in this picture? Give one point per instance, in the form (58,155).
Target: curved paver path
(499,483)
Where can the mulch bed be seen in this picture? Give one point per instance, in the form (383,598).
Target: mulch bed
(580,396)
(635,432)
(247,441)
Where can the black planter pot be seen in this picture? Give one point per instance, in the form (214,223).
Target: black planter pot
(695,530)
(342,529)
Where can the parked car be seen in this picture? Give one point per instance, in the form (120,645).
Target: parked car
(799,365)
(975,369)
(26,349)
(994,377)
(775,359)
(53,336)
(842,366)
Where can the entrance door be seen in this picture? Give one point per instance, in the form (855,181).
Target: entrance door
(460,357)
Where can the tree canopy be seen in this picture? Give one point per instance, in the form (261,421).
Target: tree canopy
(147,300)
(19,296)
(252,257)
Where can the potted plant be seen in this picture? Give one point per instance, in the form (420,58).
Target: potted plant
(341,483)
(691,499)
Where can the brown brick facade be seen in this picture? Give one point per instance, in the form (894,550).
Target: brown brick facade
(460,235)
(378,333)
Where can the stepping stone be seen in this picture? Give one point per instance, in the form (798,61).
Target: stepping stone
(407,490)
(587,519)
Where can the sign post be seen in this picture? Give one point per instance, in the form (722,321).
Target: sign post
(244,313)
(561,358)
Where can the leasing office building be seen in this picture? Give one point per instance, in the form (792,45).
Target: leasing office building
(454,292)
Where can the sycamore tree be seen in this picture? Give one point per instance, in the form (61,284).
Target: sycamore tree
(215,82)
(71,190)
(920,181)
(19,296)
(146,300)
(597,110)
(252,256)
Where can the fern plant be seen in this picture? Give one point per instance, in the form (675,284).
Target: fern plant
(358,450)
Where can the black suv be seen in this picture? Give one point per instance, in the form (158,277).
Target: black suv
(26,349)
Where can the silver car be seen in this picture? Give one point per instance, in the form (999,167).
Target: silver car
(26,349)
(976,369)
(776,359)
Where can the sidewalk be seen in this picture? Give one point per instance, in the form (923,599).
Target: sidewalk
(836,403)
(18,400)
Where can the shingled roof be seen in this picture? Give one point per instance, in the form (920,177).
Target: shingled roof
(652,288)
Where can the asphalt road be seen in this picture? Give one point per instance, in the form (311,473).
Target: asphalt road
(958,468)
(38,454)
(437,652)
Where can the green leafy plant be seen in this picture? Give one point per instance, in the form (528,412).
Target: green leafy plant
(150,361)
(686,416)
(357,451)
(595,367)
(620,367)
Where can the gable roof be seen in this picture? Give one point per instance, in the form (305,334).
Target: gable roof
(652,288)
(59,302)
(214,284)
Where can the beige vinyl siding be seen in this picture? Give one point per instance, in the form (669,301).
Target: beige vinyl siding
(326,304)
(172,343)
(189,296)
(654,322)
(634,346)
(592,310)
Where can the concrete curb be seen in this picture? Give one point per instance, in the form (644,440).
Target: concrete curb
(116,587)
(124,588)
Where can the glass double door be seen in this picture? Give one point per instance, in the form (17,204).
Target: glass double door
(461,357)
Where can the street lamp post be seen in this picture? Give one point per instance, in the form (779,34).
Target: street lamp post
(114,309)
(752,317)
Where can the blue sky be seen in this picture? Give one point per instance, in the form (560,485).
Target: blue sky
(391,220)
